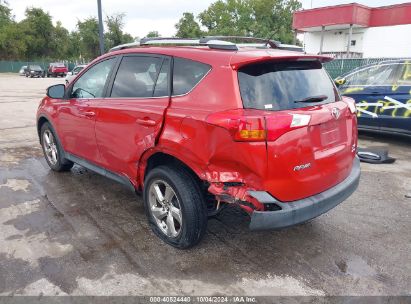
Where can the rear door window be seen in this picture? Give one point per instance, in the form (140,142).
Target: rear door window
(285,85)
(136,77)
(187,74)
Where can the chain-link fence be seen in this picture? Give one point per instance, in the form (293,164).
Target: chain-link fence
(15,66)
(338,67)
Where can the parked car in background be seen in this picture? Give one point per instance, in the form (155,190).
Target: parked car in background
(382,93)
(34,70)
(57,69)
(22,71)
(270,134)
(74,72)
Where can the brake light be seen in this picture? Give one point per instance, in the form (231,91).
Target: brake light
(241,126)
(246,125)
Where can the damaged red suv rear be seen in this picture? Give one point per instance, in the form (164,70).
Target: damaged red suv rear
(202,127)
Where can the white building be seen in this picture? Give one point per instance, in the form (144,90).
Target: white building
(356,31)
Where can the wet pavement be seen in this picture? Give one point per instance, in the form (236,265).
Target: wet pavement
(82,234)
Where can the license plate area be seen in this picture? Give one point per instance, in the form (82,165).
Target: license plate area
(332,132)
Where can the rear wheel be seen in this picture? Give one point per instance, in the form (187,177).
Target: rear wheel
(175,206)
(53,152)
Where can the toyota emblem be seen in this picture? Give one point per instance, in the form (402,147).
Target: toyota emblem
(335,112)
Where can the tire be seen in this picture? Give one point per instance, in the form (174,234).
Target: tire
(52,149)
(185,197)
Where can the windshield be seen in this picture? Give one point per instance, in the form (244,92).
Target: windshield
(285,85)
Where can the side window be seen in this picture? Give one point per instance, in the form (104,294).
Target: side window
(405,74)
(91,83)
(162,85)
(186,75)
(136,77)
(383,75)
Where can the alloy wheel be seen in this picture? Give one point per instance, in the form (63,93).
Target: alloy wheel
(50,147)
(165,208)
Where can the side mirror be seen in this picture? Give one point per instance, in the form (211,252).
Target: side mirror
(339,81)
(56,91)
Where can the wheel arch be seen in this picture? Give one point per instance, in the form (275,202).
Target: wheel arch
(40,122)
(157,158)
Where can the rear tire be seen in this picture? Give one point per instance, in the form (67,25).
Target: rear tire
(178,215)
(52,149)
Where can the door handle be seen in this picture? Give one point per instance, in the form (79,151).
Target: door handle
(146,122)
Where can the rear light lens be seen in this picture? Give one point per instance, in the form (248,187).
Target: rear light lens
(242,127)
(246,126)
(351,104)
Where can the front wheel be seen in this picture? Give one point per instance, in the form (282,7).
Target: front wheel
(53,152)
(175,206)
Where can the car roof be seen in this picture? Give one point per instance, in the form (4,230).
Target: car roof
(236,59)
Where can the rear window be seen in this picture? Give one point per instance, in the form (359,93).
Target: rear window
(35,67)
(285,85)
(187,74)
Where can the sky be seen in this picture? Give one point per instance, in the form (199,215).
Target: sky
(143,16)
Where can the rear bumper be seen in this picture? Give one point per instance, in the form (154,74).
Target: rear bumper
(306,209)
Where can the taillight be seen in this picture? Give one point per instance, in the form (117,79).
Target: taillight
(351,104)
(245,125)
(241,126)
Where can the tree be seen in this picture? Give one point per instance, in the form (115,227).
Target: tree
(114,35)
(228,17)
(153,34)
(89,39)
(12,46)
(273,19)
(257,18)
(5,14)
(37,28)
(187,27)
(74,46)
(60,40)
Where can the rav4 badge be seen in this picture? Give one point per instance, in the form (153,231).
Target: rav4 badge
(302,167)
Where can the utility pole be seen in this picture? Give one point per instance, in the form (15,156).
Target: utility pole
(100,27)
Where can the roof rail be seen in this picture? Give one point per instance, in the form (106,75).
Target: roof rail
(213,42)
(271,43)
(124,46)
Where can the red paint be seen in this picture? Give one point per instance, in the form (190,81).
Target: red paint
(201,130)
(353,13)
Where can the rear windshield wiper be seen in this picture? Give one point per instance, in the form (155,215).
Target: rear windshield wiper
(317,98)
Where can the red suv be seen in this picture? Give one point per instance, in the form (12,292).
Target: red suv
(204,127)
(57,69)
